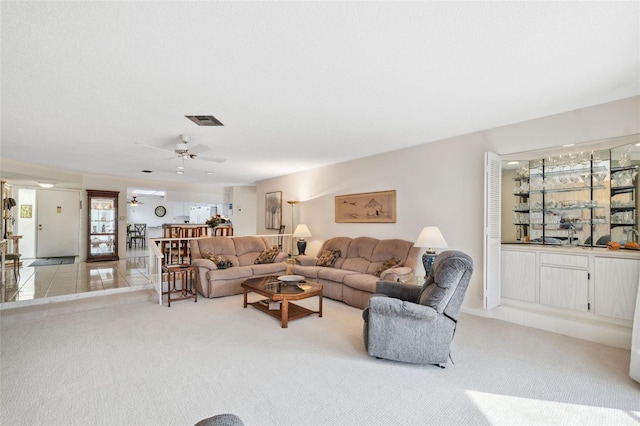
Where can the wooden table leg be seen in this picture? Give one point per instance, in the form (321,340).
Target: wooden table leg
(195,275)
(320,305)
(285,313)
(245,297)
(172,276)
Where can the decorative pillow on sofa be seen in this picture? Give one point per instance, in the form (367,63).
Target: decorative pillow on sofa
(220,262)
(386,265)
(328,258)
(267,256)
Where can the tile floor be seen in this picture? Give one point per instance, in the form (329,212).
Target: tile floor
(57,281)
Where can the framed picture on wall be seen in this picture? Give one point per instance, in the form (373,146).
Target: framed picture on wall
(273,210)
(26,211)
(367,207)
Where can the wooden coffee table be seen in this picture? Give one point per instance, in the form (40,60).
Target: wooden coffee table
(278,291)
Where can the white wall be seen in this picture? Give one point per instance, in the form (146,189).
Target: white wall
(439,183)
(243,215)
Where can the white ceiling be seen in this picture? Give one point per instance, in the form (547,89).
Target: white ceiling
(297,85)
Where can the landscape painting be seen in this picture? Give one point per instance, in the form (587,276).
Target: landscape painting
(367,207)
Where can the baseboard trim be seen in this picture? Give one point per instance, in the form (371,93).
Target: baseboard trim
(611,333)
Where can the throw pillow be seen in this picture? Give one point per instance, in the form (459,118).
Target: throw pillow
(220,262)
(386,265)
(328,258)
(267,256)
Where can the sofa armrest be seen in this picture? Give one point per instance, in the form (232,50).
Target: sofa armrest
(306,260)
(400,291)
(399,273)
(204,263)
(281,257)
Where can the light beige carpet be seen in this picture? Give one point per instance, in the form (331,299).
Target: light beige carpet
(96,363)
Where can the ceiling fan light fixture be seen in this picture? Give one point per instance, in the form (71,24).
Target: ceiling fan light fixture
(134,202)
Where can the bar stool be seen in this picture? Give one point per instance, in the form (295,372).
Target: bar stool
(223,231)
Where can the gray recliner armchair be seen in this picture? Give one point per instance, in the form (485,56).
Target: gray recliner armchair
(408,323)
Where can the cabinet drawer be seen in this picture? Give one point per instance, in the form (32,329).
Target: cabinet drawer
(570,260)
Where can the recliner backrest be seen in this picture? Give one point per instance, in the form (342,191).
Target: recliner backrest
(445,288)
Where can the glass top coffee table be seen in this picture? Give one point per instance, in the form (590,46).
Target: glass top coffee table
(282,293)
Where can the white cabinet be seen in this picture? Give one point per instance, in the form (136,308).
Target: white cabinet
(602,282)
(564,281)
(564,288)
(518,275)
(616,286)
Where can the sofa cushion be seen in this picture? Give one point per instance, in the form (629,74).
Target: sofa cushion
(222,246)
(364,282)
(307,271)
(387,249)
(231,273)
(337,243)
(267,256)
(333,274)
(216,245)
(328,258)
(359,254)
(268,268)
(248,248)
(385,265)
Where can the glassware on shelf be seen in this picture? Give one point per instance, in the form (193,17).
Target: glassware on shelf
(624,159)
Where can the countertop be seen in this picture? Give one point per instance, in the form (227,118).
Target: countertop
(594,251)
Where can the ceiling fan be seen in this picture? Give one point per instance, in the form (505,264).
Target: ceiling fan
(134,202)
(182,150)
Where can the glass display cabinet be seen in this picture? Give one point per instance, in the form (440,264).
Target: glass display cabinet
(580,199)
(102,235)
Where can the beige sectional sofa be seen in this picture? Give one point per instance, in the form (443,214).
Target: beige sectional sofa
(352,278)
(242,252)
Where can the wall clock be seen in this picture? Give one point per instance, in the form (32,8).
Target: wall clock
(160,211)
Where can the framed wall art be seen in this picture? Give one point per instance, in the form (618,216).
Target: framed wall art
(273,210)
(367,207)
(26,211)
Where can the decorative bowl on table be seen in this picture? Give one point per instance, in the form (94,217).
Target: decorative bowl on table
(291,279)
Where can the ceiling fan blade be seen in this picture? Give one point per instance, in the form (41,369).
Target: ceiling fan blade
(198,149)
(154,147)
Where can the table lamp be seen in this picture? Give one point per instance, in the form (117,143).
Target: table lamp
(301,232)
(431,238)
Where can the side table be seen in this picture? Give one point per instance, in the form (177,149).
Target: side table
(188,288)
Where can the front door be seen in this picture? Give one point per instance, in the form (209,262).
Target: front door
(58,223)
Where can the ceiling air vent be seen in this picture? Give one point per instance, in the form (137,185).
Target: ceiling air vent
(204,120)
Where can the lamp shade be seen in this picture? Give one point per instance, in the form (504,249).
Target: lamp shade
(302,231)
(431,237)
